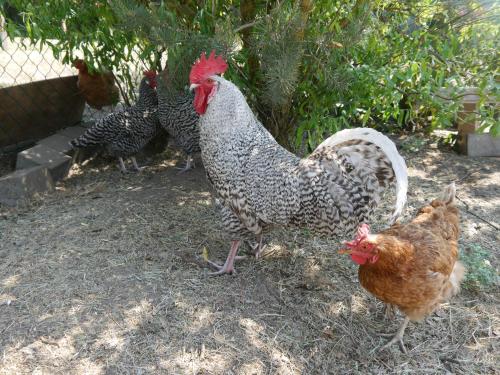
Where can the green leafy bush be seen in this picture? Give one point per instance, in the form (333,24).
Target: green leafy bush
(308,68)
(480,272)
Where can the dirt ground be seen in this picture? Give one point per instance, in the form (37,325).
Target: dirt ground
(106,276)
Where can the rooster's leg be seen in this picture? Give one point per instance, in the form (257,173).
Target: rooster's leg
(398,337)
(136,166)
(122,165)
(260,248)
(188,166)
(228,267)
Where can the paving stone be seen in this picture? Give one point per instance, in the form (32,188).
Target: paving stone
(58,142)
(18,187)
(72,131)
(483,145)
(56,162)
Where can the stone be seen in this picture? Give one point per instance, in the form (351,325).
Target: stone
(58,142)
(18,187)
(483,145)
(72,131)
(56,162)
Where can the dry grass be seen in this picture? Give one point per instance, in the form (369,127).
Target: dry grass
(106,277)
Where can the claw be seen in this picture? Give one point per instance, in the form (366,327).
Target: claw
(397,338)
(389,312)
(122,167)
(221,270)
(228,267)
(136,166)
(189,165)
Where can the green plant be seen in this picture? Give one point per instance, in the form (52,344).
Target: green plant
(413,143)
(82,29)
(308,68)
(480,272)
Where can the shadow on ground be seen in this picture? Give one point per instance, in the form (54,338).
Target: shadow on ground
(106,277)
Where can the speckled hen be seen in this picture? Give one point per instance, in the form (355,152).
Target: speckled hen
(126,132)
(261,184)
(178,117)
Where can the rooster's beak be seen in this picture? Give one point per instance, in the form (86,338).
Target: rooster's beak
(193,86)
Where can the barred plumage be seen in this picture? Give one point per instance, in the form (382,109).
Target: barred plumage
(261,184)
(125,133)
(178,117)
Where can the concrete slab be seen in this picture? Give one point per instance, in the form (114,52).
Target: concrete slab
(18,187)
(72,131)
(56,162)
(58,142)
(483,145)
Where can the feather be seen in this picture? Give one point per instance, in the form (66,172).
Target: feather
(388,148)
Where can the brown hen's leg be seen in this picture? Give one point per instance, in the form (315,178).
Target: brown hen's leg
(398,337)
(228,267)
(389,312)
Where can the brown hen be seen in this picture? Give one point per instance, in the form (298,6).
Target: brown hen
(98,89)
(412,266)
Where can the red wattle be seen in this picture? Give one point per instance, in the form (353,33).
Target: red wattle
(358,259)
(200,100)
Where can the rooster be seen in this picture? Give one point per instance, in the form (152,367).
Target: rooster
(98,89)
(412,266)
(126,132)
(260,184)
(180,120)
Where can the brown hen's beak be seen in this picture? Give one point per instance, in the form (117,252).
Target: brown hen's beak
(345,251)
(193,86)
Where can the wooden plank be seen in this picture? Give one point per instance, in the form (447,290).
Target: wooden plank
(38,109)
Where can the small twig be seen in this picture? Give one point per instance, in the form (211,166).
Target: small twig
(125,97)
(466,176)
(246,26)
(476,215)
(49,342)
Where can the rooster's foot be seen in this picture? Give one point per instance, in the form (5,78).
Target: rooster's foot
(257,247)
(122,167)
(228,267)
(136,166)
(189,165)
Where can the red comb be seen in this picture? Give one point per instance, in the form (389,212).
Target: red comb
(363,232)
(204,68)
(79,64)
(150,73)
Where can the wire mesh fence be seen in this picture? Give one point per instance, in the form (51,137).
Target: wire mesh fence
(38,93)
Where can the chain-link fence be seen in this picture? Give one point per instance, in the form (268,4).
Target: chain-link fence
(38,93)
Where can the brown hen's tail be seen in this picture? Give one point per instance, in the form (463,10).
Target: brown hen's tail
(448,195)
(456,277)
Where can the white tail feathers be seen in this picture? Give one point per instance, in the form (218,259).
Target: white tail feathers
(448,195)
(388,148)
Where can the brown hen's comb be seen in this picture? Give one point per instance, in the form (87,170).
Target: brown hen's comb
(204,68)
(362,233)
(79,64)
